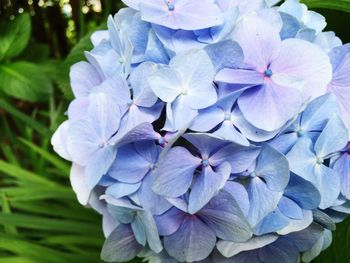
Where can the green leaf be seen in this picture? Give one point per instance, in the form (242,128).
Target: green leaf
(50,224)
(7,210)
(16,260)
(339,251)
(36,252)
(341,5)
(25,81)
(30,193)
(23,118)
(14,36)
(53,159)
(24,175)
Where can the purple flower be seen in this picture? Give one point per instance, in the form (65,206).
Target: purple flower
(179,14)
(281,75)
(309,163)
(186,85)
(340,85)
(192,237)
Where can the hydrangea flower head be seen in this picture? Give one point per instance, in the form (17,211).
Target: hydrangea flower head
(212,131)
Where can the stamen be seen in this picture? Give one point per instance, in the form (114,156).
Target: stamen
(300,133)
(268,73)
(205,162)
(171,6)
(130,102)
(253,174)
(152,166)
(228,116)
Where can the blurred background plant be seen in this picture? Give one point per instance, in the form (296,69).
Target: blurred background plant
(40,219)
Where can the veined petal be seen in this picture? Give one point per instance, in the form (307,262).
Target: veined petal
(78,182)
(304,60)
(240,76)
(262,200)
(230,249)
(302,159)
(206,185)
(270,106)
(273,167)
(205,143)
(239,157)
(174,174)
(303,192)
(83,77)
(333,138)
(228,132)
(207,119)
(342,167)
(129,166)
(118,190)
(224,216)
(166,83)
(193,241)
(169,222)
(259,40)
(186,14)
(121,245)
(327,182)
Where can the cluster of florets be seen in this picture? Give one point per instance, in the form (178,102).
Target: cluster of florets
(212,131)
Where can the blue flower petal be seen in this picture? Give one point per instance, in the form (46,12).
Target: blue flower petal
(120,245)
(174,174)
(193,241)
(206,185)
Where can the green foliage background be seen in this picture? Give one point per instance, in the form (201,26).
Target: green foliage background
(40,219)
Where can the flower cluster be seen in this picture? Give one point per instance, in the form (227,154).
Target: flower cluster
(212,131)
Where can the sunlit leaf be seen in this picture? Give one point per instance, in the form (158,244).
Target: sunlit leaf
(25,81)
(341,5)
(14,36)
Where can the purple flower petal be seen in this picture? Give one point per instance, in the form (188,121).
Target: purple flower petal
(224,216)
(205,143)
(207,119)
(83,77)
(193,241)
(333,138)
(230,249)
(120,245)
(262,200)
(142,93)
(280,103)
(206,185)
(240,76)
(129,166)
(118,190)
(273,167)
(239,157)
(174,174)
(259,40)
(181,14)
(149,199)
(169,222)
(342,167)
(306,61)
(273,222)
(303,193)
(290,209)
